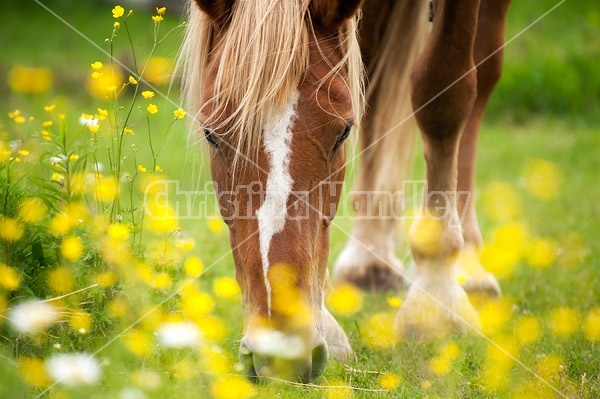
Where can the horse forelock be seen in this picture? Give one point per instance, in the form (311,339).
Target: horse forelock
(260,59)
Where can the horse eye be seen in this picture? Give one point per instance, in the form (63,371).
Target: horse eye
(344,135)
(210,138)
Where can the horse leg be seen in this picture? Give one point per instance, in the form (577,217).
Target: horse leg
(444,89)
(489,40)
(392,36)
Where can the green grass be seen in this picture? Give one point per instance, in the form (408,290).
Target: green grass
(544,108)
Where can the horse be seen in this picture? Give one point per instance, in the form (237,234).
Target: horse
(275,88)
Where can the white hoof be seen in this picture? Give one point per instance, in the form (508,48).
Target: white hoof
(436,306)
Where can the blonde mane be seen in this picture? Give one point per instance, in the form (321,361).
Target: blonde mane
(265,53)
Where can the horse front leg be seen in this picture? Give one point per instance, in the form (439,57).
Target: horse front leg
(488,55)
(443,89)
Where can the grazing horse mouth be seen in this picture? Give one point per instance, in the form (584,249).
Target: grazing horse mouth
(275,355)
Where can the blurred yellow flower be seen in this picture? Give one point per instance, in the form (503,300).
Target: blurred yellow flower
(158,71)
(138,342)
(158,169)
(19,120)
(128,131)
(563,321)
(132,80)
(542,178)
(528,330)
(179,113)
(549,367)
(142,169)
(22,79)
(33,371)
(49,108)
(389,381)
(96,65)
(152,108)
(117,25)
(104,85)
(157,18)
(162,280)
(226,287)
(72,248)
(32,210)
(106,189)
(232,387)
(591,325)
(94,128)
(117,307)
(105,279)
(345,300)
(118,232)
(161,217)
(196,304)
(495,314)
(80,321)
(186,244)
(216,225)
(9,278)
(161,10)
(60,281)
(541,253)
(501,201)
(212,328)
(394,301)
(377,331)
(118,12)
(499,261)
(338,389)
(147,94)
(193,266)
(102,112)
(10,229)
(47,123)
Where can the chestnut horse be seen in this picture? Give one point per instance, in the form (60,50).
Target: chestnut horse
(276,87)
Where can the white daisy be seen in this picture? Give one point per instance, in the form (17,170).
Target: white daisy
(178,335)
(73,369)
(32,316)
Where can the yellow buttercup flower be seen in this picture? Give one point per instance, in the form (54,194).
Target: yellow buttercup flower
(80,321)
(345,300)
(72,248)
(49,108)
(142,169)
(32,210)
(132,80)
(193,266)
(19,120)
(226,287)
(22,79)
(157,18)
(94,128)
(11,230)
(128,131)
(117,25)
(102,112)
(152,108)
(179,113)
(147,94)
(9,278)
(118,232)
(60,281)
(563,321)
(33,371)
(158,169)
(161,10)
(118,12)
(106,279)
(233,386)
(96,66)
(389,381)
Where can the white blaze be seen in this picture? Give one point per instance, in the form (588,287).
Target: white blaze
(277,139)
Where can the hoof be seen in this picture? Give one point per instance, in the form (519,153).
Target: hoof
(473,277)
(485,284)
(336,339)
(368,271)
(436,306)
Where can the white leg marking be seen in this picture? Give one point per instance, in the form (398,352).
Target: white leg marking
(277,139)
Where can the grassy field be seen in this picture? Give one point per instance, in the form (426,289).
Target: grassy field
(538,211)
